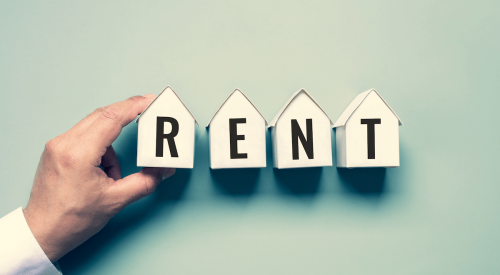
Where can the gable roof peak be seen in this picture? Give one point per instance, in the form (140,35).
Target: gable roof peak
(168,88)
(278,115)
(355,103)
(236,91)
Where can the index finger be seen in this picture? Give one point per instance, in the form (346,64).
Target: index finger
(108,125)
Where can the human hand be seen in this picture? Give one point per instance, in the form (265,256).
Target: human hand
(72,198)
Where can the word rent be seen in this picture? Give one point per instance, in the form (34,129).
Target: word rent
(367,133)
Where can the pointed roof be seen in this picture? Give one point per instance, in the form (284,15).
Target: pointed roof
(166,88)
(278,115)
(353,106)
(236,90)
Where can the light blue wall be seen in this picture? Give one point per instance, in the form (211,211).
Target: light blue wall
(435,62)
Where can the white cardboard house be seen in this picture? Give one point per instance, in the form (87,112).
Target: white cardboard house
(166,133)
(367,133)
(301,133)
(237,134)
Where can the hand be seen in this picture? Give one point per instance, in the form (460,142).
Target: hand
(72,198)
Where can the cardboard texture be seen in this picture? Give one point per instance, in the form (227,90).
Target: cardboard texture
(237,134)
(301,134)
(166,133)
(367,133)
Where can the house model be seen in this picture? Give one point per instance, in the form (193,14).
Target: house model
(166,133)
(301,133)
(368,133)
(237,134)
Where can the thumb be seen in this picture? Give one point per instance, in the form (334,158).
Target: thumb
(141,184)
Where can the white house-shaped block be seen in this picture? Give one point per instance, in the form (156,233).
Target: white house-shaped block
(367,133)
(237,134)
(166,133)
(301,133)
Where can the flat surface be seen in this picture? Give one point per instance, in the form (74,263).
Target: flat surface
(435,62)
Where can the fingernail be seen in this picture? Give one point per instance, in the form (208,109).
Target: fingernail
(168,173)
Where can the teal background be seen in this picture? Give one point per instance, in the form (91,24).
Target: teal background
(435,62)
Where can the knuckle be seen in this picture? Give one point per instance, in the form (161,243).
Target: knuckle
(56,152)
(148,187)
(111,114)
(51,146)
(94,114)
(99,110)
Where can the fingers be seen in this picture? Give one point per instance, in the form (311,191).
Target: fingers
(83,124)
(111,165)
(106,127)
(141,184)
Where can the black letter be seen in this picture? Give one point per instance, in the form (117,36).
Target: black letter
(160,136)
(234,137)
(297,134)
(370,124)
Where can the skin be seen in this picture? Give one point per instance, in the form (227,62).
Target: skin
(72,198)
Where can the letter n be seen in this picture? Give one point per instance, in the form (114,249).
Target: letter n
(306,143)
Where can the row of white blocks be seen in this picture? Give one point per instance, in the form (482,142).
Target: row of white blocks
(366,133)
